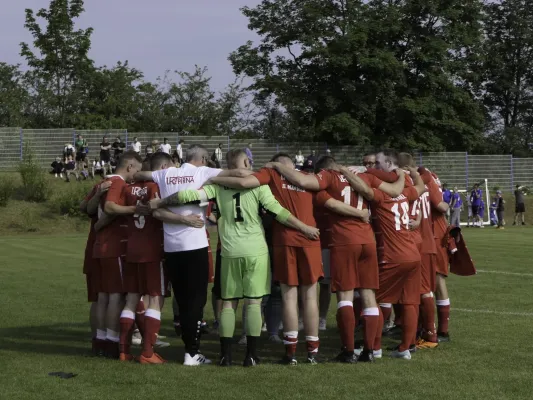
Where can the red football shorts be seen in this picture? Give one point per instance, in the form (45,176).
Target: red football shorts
(110,275)
(294,266)
(442,259)
(399,283)
(354,266)
(429,273)
(146,279)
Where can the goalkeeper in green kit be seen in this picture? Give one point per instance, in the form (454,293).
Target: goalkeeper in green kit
(245,270)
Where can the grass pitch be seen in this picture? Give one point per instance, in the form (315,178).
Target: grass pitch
(44,328)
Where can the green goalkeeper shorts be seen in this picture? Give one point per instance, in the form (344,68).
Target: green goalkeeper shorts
(245,277)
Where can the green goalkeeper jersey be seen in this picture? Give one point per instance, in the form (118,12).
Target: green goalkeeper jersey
(239,224)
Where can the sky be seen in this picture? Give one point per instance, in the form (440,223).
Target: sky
(154,36)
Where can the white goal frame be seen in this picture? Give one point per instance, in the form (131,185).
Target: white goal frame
(466,192)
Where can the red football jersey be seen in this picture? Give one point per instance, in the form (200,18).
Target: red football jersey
(440,223)
(111,241)
(322,214)
(92,235)
(295,199)
(426,225)
(393,221)
(346,230)
(145,234)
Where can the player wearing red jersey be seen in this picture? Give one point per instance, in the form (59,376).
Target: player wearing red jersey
(440,227)
(110,247)
(353,258)
(143,272)
(297,260)
(399,275)
(89,206)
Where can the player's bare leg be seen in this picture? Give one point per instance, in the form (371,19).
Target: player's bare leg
(101,329)
(443,309)
(373,324)
(226,331)
(346,325)
(324,301)
(112,322)
(127,326)
(308,294)
(152,321)
(290,322)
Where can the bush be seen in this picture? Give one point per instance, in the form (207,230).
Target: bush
(34,179)
(7,189)
(66,201)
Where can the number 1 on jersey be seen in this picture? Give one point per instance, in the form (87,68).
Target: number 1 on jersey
(347,195)
(238,212)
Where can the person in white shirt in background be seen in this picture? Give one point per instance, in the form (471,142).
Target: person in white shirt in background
(180,151)
(136,146)
(299,160)
(218,155)
(165,146)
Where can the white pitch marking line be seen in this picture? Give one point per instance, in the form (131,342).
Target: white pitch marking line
(518,314)
(504,273)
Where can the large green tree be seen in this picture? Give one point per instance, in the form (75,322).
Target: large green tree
(378,72)
(13,96)
(507,74)
(59,63)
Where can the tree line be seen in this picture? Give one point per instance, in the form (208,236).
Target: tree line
(427,75)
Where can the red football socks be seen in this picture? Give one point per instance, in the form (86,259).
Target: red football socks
(346,324)
(152,324)
(427,305)
(409,326)
(443,315)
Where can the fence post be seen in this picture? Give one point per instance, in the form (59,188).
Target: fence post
(74,138)
(277,147)
(466,169)
(512,173)
(126,139)
(228,144)
(420,159)
(21,139)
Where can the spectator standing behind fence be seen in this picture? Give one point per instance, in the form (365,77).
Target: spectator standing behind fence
(500,209)
(105,150)
(217,156)
(179,149)
(299,160)
(68,151)
(456,206)
(520,206)
(136,145)
(165,146)
(249,154)
(118,147)
(310,161)
(82,148)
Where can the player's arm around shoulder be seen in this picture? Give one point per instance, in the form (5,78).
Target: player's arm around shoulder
(298,178)
(418,182)
(357,183)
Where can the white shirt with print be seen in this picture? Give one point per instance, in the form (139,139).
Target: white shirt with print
(182,237)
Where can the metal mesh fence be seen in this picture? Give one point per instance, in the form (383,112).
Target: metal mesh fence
(455,169)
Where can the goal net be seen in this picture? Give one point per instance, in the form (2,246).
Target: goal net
(485,212)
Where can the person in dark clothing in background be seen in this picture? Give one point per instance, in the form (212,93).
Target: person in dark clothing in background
(118,147)
(500,209)
(57,167)
(310,162)
(520,207)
